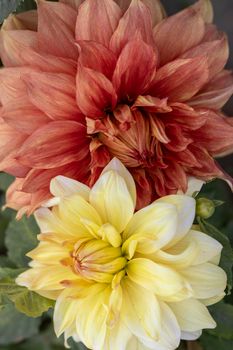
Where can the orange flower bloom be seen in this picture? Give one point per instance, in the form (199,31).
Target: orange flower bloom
(97,79)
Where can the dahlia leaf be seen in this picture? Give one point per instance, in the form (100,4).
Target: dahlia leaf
(5,181)
(226,261)
(211,342)
(20,238)
(15,326)
(223,315)
(26,301)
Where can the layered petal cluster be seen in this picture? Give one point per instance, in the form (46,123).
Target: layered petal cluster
(124,280)
(86,81)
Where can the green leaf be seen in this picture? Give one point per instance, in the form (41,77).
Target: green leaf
(226,261)
(223,315)
(5,179)
(8,272)
(20,239)
(210,342)
(26,301)
(15,326)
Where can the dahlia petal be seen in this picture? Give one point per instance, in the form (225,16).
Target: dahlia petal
(140,311)
(57,39)
(216,93)
(73,3)
(155,6)
(11,44)
(93,102)
(152,104)
(116,166)
(93,16)
(207,280)
(45,278)
(157,278)
(151,227)
(62,186)
(205,8)
(191,335)
(48,253)
(91,324)
(24,117)
(192,315)
(173,79)
(54,94)
(97,57)
(37,151)
(179,26)
(216,135)
(117,336)
(194,186)
(209,248)
(135,68)
(15,198)
(186,207)
(24,20)
(110,196)
(19,48)
(137,19)
(216,52)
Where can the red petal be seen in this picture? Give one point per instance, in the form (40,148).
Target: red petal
(152,104)
(96,56)
(216,93)
(73,3)
(180,79)
(155,6)
(24,20)
(57,39)
(217,53)
(54,94)
(175,34)
(97,20)
(216,135)
(95,92)
(137,19)
(135,69)
(23,117)
(55,144)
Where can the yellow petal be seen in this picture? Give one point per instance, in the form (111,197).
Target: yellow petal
(111,198)
(49,253)
(192,315)
(45,278)
(116,165)
(194,186)
(92,316)
(62,186)
(140,311)
(207,280)
(185,207)
(157,278)
(117,337)
(153,227)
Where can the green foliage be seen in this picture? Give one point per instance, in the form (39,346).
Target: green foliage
(23,232)
(223,315)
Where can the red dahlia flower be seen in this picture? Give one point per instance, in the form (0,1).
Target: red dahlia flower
(97,79)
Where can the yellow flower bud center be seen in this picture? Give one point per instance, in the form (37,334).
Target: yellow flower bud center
(97,259)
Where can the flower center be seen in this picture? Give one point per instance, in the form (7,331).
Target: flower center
(99,259)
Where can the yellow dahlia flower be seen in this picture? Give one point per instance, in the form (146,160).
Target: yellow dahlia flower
(124,280)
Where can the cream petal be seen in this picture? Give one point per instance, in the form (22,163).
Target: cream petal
(207,280)
(140,311)
(209,248)
(153,227)
(157,278)
(186,207)
(192,315)
(214,300)
(111,198)
(45,278)
(191,335)
(92,316)
(194,186)
(62,186)
(116,165)
(117,337)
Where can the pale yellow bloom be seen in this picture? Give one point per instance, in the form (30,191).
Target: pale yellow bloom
(124,280)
